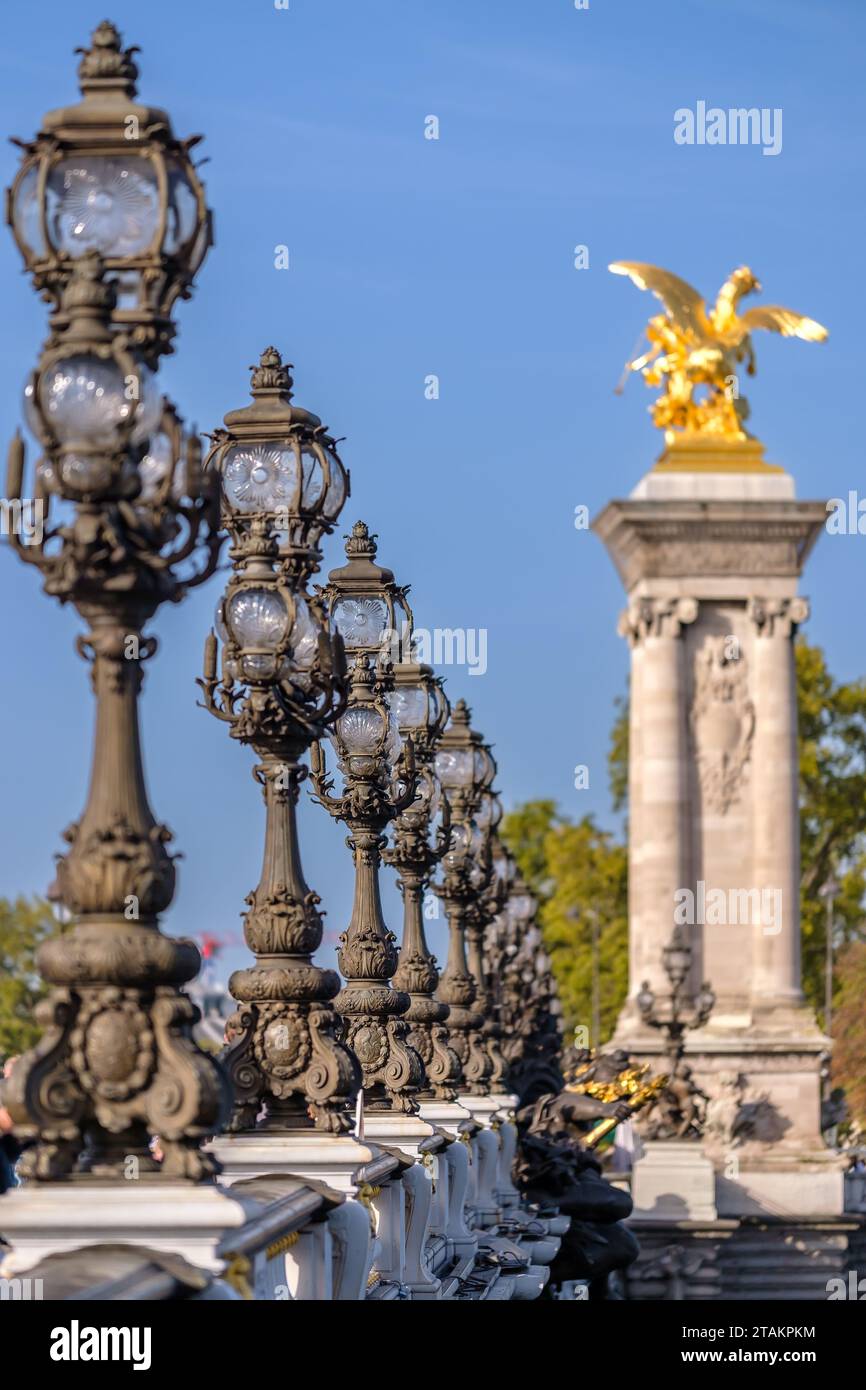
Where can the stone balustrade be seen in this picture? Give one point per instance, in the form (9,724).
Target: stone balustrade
(445,1224)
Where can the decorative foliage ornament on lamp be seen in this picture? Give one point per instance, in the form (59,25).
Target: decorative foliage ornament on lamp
(281,686)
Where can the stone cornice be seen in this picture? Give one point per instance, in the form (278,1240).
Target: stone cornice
(673,539)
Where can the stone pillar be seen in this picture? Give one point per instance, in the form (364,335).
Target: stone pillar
(710,552)
(775,777)
(657,773)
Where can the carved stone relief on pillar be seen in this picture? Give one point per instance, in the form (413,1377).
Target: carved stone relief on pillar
(722,722)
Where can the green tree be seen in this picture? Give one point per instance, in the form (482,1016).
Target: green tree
(577,871)
(832,724)
(24,925)
(849,1028)
(617,755)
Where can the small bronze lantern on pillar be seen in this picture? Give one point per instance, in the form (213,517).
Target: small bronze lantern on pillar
(679,1111)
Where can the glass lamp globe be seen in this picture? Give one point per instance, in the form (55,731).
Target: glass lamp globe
(454,768)
(286,478)
(677,957)
(85,402)
(296,668)
(304,639)
(259,478)
(258,620)
(322,477)
(459,853)
(477,876)
(483,767)
(503,868)
(363,623)
(430,792)
(520,908)
(106,204)
(156,464)
(488,817)
(359,731)
(411,707)
(372,622)
(108,175)
(645,999)
(706,1000)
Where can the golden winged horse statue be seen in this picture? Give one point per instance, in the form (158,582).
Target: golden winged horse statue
(696,353)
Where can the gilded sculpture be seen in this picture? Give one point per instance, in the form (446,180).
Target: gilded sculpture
(697,354)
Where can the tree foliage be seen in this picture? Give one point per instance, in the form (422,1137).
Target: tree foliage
(24,925)
(849,1029)
(575,870)
(832,723)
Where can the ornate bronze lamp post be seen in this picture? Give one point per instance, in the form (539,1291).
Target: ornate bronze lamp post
(500,948)
(117,1062)
(419,839)
(110,217)
(466,770)
(280,686)
(378,783)
(529,1008)
(370,612)
(482,913)
(109,175)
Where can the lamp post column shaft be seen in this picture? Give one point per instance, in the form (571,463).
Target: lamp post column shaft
(284,1050)
(457,989)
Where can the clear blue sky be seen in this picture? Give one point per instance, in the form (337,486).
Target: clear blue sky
(411,257)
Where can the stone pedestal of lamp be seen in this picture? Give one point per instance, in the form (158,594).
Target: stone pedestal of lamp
(309,1153)
(673,1182)
(496,1157)
(183,1218)
(710,547)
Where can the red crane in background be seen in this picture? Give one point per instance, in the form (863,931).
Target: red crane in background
(210,947)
